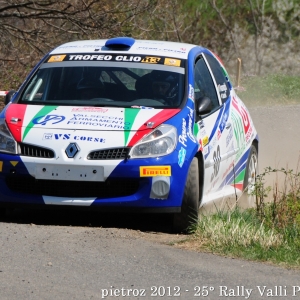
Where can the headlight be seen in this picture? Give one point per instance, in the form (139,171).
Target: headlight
(161,141)
(7,142)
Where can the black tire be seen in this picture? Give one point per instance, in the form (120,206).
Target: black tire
(2,212)
(190,203)
(250,174)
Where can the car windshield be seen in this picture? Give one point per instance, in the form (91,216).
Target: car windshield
(106,84)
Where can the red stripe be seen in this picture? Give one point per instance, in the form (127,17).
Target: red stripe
(238,186)
(157,120)
(16,111)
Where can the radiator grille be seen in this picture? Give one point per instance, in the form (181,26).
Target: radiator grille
(116,153)
(35,151)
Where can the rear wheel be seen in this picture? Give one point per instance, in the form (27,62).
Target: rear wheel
(190,202)
(250,175)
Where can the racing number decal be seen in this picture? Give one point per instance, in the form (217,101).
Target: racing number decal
(217,160)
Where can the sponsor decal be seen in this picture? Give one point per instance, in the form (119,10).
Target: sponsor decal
(213,142)
(245,118)
(239,134)
(43,120)
(99,121)
(219,134)
(187,132)
(181,50)
(223,121)
(90,109)
(202,127)
(230,168)
(56,58)
(118,58)
(155,171)
(191,93)
(141,107)
(205,141)
(151,60)
(181,156)
(96,57)
(47,136)
(183,136)
(222,88)
(217,160)
(229,136)
(224,118)
(206,150)
(42,116)
(190,132)
(14,163)
(172,62)
(69,136)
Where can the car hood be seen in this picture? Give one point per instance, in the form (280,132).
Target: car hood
(21,118)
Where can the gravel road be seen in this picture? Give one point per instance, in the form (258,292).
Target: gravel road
(73,255)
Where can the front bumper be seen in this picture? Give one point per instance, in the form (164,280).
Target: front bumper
(123,187)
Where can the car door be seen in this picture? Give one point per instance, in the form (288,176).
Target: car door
(214,129)
(232,133)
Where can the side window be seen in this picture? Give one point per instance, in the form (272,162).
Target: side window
(220,77)
(204,85)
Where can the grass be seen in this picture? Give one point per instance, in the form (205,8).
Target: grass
(273,89)
(269,232)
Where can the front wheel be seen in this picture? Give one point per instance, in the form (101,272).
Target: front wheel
(250,175)
(190,203)
(2,212)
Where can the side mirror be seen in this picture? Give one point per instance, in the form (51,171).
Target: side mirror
(8,96)
(204,105)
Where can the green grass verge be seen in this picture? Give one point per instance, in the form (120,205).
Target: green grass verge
(274,89)
(269,232)
(241,234)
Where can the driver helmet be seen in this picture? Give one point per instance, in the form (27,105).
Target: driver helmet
(87,83)
(90,88)
(164,84)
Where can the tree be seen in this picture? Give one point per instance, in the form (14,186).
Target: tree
(31,28)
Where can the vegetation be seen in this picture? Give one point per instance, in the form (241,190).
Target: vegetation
(271,89)
(263,33)
(269,232)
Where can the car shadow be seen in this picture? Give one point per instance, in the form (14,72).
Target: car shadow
(62,217)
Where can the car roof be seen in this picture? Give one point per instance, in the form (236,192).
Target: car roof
(130,46)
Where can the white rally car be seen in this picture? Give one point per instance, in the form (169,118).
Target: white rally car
(129,125)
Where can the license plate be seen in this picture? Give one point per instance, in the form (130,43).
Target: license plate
(77,173)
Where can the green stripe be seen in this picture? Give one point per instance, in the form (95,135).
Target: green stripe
(240,177)
(44,111)
(130,115)
(196,130)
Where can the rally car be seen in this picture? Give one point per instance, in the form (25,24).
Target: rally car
(128,125)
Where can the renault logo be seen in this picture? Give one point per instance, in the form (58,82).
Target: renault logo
(72,150)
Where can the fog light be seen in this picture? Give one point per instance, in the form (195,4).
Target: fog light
(160,187)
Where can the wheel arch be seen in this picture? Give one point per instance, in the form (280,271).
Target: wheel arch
(255,144)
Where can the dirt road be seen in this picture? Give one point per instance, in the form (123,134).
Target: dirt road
(59,255)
